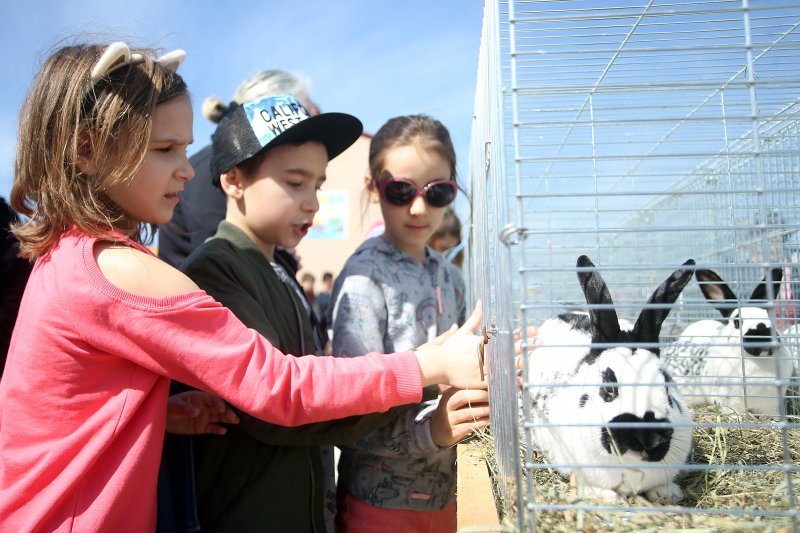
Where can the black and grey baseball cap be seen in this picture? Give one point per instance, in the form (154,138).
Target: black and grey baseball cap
(257,125)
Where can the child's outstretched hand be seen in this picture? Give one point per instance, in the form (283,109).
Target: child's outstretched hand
(196,412)
(455,357)
(460,412)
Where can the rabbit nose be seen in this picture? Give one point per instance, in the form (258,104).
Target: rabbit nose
(651,442)
(756,341)
(650,439)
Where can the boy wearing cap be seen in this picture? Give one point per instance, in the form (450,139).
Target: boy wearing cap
(269,157)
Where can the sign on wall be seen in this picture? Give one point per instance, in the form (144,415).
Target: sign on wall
(331,221)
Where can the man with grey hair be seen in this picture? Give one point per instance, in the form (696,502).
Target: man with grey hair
(202,204)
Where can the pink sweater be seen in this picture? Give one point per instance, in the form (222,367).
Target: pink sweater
(83,397)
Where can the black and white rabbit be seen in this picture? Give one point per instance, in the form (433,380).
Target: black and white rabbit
(735,362)
(588,373)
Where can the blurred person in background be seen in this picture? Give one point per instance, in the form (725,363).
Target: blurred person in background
(307,281)
(323,297)
(14,272)
(447,238)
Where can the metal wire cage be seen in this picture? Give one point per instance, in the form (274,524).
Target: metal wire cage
(642,134)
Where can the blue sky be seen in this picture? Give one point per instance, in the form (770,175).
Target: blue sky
(375,59)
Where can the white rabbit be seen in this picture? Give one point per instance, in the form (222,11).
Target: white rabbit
(735,362)
(790,338)
(588,374)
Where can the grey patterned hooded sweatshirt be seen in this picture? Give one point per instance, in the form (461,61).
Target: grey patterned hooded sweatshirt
(386,301)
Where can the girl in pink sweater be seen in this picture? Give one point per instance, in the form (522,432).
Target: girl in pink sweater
(104,324)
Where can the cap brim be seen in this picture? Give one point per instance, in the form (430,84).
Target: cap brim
(336,131)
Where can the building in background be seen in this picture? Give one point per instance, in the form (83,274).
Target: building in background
(345,216)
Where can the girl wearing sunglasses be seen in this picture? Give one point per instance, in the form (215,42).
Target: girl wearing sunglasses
(396,293)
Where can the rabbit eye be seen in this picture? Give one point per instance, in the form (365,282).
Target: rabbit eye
(609,393)
(737,323)
(583,400)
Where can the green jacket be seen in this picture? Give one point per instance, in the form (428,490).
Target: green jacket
(262,477)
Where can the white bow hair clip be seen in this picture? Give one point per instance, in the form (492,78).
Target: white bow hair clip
(118,54)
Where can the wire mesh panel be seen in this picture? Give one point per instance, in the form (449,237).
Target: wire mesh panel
(491,259)
(639,135)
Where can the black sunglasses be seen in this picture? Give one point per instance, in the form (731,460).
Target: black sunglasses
(400,191)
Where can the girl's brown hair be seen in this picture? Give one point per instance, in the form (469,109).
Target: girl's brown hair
(64,119)
(422,130)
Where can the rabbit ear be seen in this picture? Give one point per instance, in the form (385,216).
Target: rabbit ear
(715,290)
(760,292)
(604,321)
(648,325)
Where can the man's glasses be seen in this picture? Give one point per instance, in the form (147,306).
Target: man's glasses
(400,192)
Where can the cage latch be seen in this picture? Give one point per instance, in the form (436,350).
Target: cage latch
(512,234)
